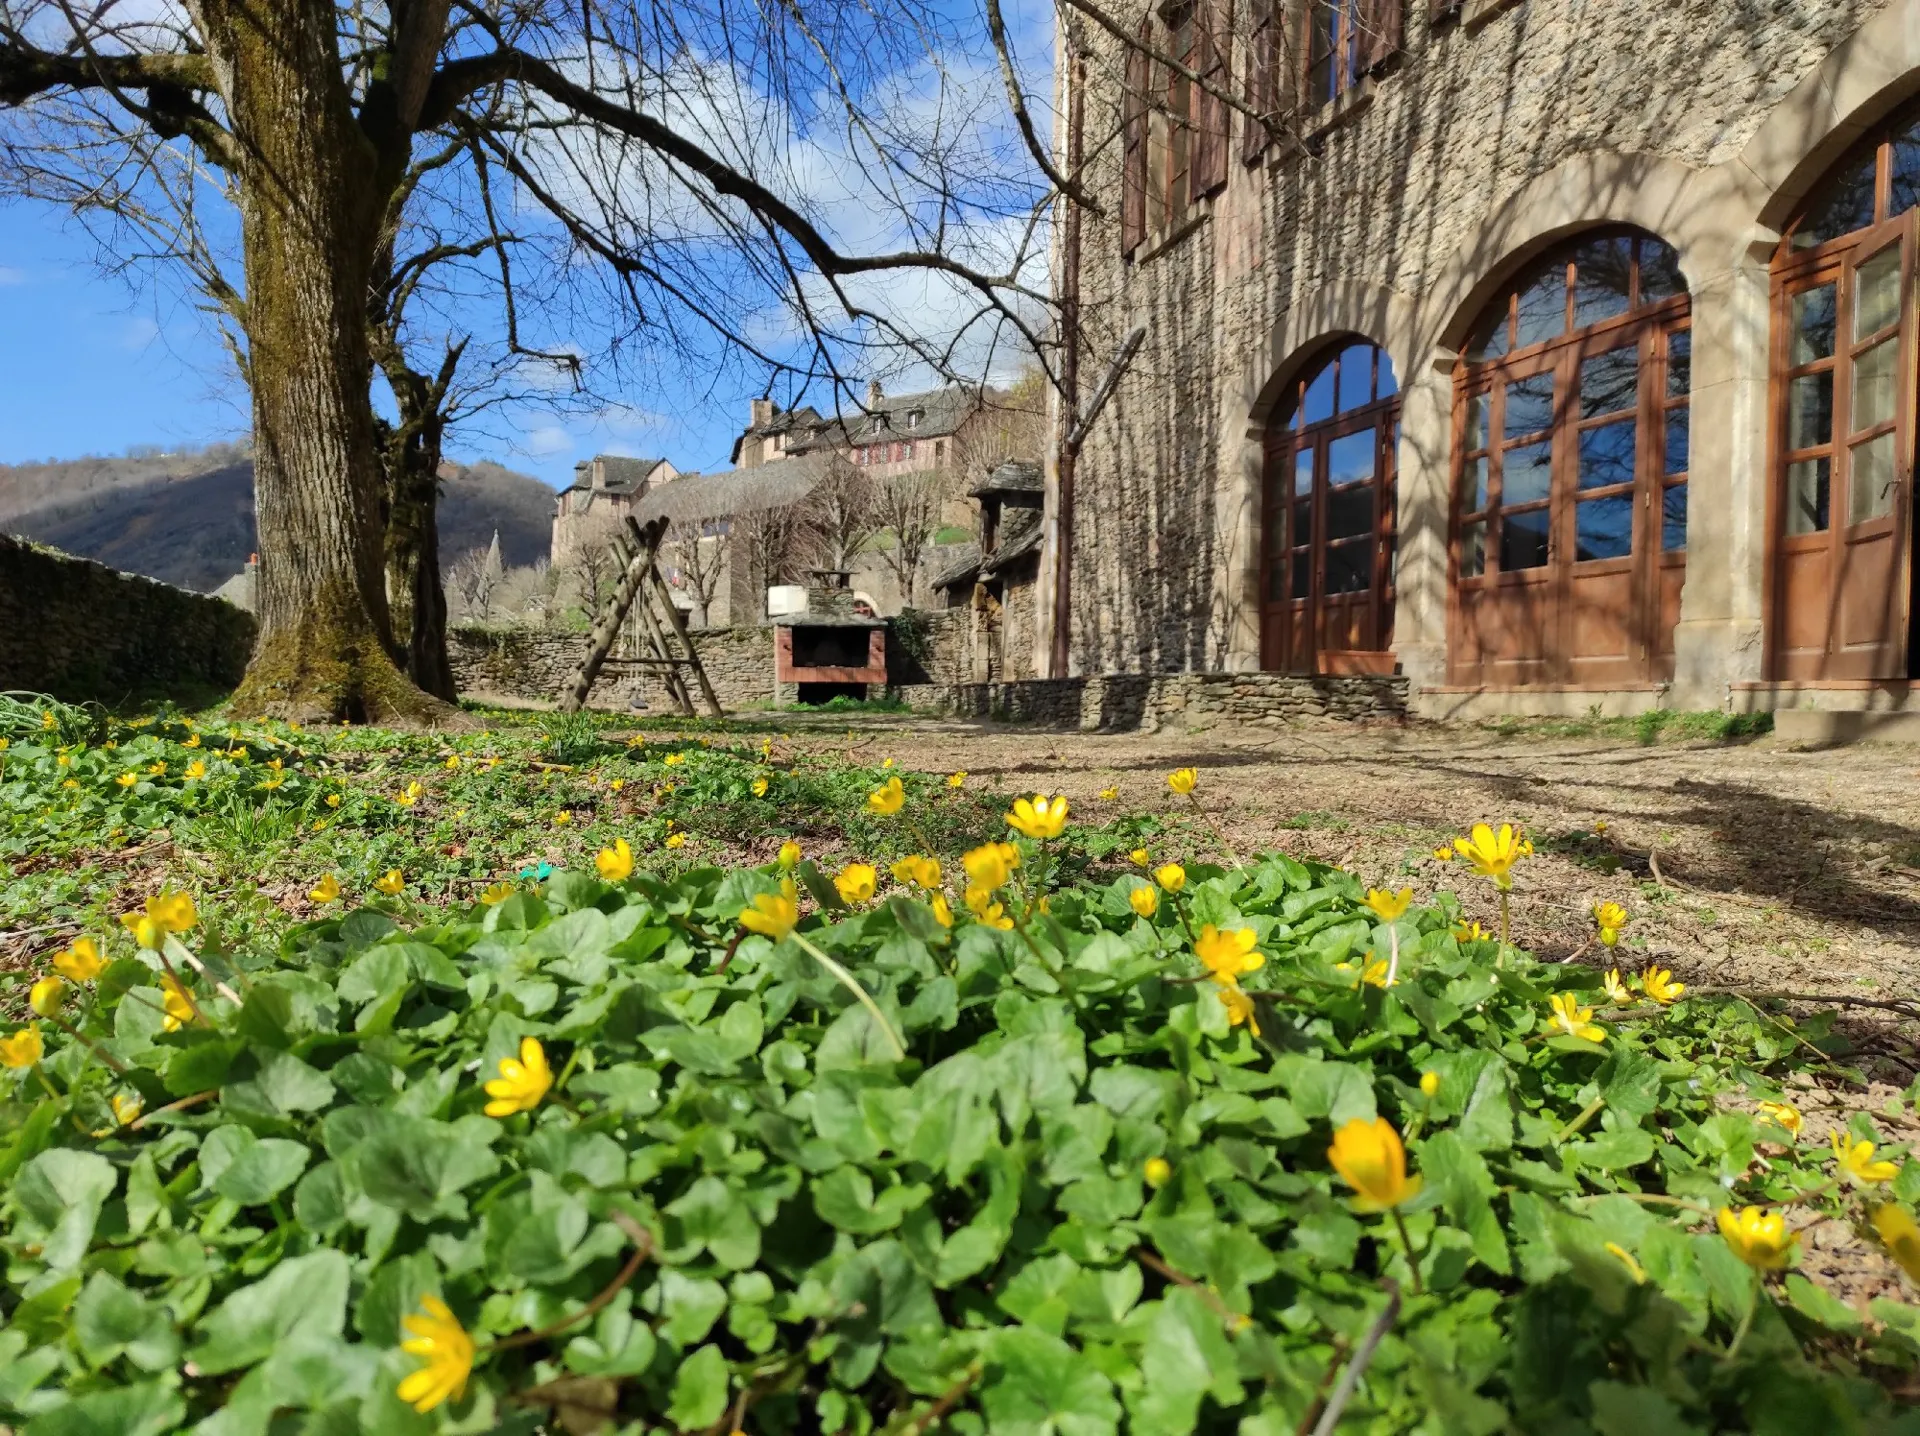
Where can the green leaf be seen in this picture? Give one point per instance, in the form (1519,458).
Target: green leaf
(283,1086)
(844,1198)
(1630,1083)
(60,1192)
(302,1296)
(110,1320)
(1339,1092)
(700,1389)
(1622,1410)
(1037,1294)
(1186,1358)
(1466,1188)
(710,1217)
(146,1409)
(262,1171)
(1613,1151)
(1818,1304)
(627,1089)
(1037,1385)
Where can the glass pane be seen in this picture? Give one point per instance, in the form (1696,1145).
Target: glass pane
(1876,293)
(1303,471)
(1303,521)
(1808,485)
(1490,339)
(1606,455)
(1356,377)
(1810,411)
(1870,480)
(1679,364)
(1318,403)
(1542,310)
(1903,182)
(1603,528)
(1846,204)
(1602,272)
(1350,459)
(1673,519)
(1529,405)
(1812,325)
(1479,412)
(1302,572)
(1350,567)
(1523,540)
(1660,276)
(1609,381)
(1474,485)
(1473,550)
(1873,375)
(1526,474)
(1383,384)
(1349,511)
(1679,440)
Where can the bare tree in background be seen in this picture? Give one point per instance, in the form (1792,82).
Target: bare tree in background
(470,584)
(700,550)
(776,544)
(843,513)
(908,506)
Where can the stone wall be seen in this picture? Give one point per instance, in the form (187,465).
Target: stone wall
(1187,700)
(82,631)
(1403,206)
(534,666)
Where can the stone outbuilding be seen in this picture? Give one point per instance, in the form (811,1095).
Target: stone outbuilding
(1553,355)
(996,578)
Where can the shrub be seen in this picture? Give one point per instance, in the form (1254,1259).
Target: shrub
(1089,1197)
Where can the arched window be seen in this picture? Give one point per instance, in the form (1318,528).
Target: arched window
(1329,520)
(1571,443)
(1843,413)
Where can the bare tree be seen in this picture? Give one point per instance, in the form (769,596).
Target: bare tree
(700,551)
(774,544)
(843,513)
(470,583)
(908,506)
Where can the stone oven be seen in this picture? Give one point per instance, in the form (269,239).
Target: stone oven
(836,647)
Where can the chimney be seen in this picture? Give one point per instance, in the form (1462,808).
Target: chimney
(874,393)
(760,413)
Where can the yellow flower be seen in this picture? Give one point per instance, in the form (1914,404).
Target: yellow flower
(674,760)
(676,840)
(1784,1115)
(759,786)
(1227,954)
(166,912)
(274,782)
(439,1340)
(855,882)
(1575,1020)
(1470,932)
(178,1007)
(1157,1171)
(1239,1006)
(1371,1159)
(126,780)
(922,872)
(522,1082)
(64,760)
(887,799)
(773,915)
(198,769)
(453,762)
(981,904)
(615,863)
(277,765)
(1038,817)
(1170,876)
(1609,917)
(1376,973)
(81,962)
(562,818)
(1758,1237)
(392,884)
(125,1110)
(886,762)
(47,996)
(1857,1164)
(333,800)
(942,913)
(1658,984)
(990,865)
(46,719)
(22,1049)
(1430,1084)
(1389,906)
(1108,794)
(1493,854)
(1140,858)
(789,855)
(1600,826)
(410,795)
(957,780)
(1181,780)
(1443,855)
(1901,1235)
(1144,900)
(158,770)
(616,784)
(326,890)
(1616,989)
(496,893)
(1634,1269)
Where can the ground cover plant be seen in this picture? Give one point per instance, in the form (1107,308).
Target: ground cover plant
(946,1110)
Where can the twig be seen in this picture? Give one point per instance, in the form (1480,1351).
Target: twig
(1350,1378)
(949,1399)
(185,1102)
(1233,1319)
(739,935)
(1906,1007)
(1319,1402)
(642,1249)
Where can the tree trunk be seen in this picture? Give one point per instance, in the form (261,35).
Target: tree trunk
(416,595)
(310,209)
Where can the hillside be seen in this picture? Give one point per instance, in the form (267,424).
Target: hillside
(188,518)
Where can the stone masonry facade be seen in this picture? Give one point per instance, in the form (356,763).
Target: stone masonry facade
(1499,129)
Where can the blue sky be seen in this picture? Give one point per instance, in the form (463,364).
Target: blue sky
(93,363)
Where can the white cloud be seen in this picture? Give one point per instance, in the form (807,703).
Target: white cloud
(546,442)
(9,275)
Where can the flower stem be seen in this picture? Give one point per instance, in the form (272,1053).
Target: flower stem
(852,984)
(1587,1114)
(1746,1322)
(1219,836)
(1506,924)
(1413,1261)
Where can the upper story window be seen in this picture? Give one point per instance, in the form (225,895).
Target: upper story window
(914,416)
(1336,48)
(1173,130)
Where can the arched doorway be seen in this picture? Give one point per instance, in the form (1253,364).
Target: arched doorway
(1571,443)
(1327,594)
(1841,602)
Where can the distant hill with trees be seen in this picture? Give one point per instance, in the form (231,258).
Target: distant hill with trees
(187,518)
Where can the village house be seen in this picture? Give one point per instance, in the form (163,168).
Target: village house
(994,578)
(1553,355)
(605,490)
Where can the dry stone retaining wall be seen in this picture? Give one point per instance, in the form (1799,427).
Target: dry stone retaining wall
(534,666)
(1193,700)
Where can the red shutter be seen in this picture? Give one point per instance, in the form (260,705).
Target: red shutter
(1133,147)
(1262,62)
(1214,22)
(1385,32)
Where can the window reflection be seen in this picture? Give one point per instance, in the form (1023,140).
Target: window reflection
(1523,540)
(1603,528)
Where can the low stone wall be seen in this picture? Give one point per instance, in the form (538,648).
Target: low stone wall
(1150,701)
(535,666)
(82,631)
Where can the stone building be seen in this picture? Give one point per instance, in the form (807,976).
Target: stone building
(1554,353)
(605,489)
(995,577)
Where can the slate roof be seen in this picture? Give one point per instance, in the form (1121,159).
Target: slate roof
(805,420)
(721,495)
(624,475)
(1015,476)
(963,568)
(1020,533)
